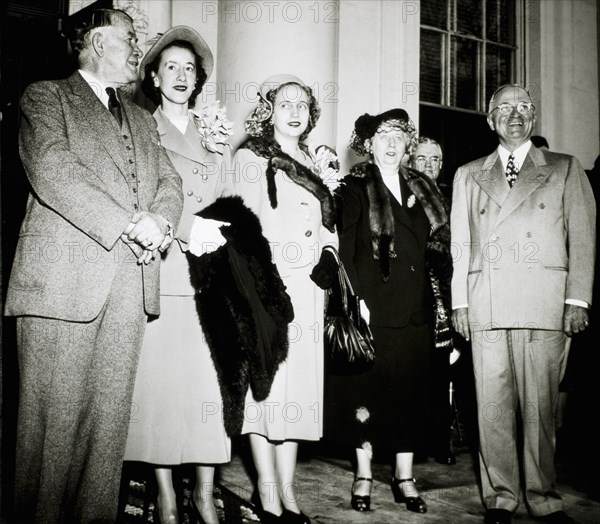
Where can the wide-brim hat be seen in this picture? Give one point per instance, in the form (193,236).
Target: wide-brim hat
(275,81)
(180,32)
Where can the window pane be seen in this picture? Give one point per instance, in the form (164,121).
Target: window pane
(431,67)
(469,17)
(497,68)
(434,13)
(498,19)
(464,73)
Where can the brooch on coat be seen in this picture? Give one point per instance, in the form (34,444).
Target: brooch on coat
(213,126)
(411,201)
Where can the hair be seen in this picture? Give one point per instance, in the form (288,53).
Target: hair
(151,69)
(496,94)
(539,141)
(426,140)
(80,27)
(259,123)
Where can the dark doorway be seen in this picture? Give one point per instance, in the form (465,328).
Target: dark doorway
(464,136)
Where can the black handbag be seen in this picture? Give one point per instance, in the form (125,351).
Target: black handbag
(348,339)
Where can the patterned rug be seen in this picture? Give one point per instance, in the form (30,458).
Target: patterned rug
(137,503)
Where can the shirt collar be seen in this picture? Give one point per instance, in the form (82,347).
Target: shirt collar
(98,87)
(520,153)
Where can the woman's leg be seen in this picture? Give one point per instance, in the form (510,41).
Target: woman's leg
(404,470)
(285,465)
(263,453)
(167,501)
(203,494)
(363,470)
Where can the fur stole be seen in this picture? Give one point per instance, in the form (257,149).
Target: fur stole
(297,173)
(438,257)
(243,308)
(381,219)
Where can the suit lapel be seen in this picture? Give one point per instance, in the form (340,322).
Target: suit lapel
(171,139)
(492,180)
(98,118)
(534,173)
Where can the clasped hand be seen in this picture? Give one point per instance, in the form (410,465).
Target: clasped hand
(146,234)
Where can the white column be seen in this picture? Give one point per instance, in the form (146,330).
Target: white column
(378,64)
(565,85)
(258,39)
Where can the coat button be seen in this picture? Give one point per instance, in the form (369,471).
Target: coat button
(308,233)
(494,238)
(135,206)
(190,193)
(482,212)
(205,177)
(542,205)
(195,170)
(198,199)
(528,235)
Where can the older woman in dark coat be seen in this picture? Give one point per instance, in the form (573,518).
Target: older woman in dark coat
(394,227)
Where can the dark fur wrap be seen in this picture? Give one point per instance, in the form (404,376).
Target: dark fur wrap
(298,173)
(381,219)
(231,322)
(439,264)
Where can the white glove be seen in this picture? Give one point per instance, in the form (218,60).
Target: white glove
(205,236)
(454,356)
(364,311)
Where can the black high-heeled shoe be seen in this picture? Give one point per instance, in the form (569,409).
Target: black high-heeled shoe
(416,504)
(361,502)
(266,517)
(289,517)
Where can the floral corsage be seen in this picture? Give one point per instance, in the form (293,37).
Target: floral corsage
(327,166)
(212,124)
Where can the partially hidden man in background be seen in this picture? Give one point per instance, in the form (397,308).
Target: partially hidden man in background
(523,227)
(104,201)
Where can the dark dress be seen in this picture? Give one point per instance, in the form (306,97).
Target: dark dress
(384,408)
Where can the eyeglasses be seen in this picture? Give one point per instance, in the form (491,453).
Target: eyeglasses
(421,161)
(522,107)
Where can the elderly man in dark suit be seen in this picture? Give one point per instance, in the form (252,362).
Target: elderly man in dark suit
(523,231)
(103,203)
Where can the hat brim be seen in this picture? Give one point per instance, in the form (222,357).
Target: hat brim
(275,81)
(180,32)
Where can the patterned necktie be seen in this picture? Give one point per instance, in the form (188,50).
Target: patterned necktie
(114,106)
(511,171)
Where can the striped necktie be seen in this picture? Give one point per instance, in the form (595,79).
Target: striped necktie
(511,171)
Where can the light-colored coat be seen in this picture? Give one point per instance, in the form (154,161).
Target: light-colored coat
(297,237)
(83,196)
(520,252)
(205,177)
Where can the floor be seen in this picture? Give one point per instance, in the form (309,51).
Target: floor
(451,492)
